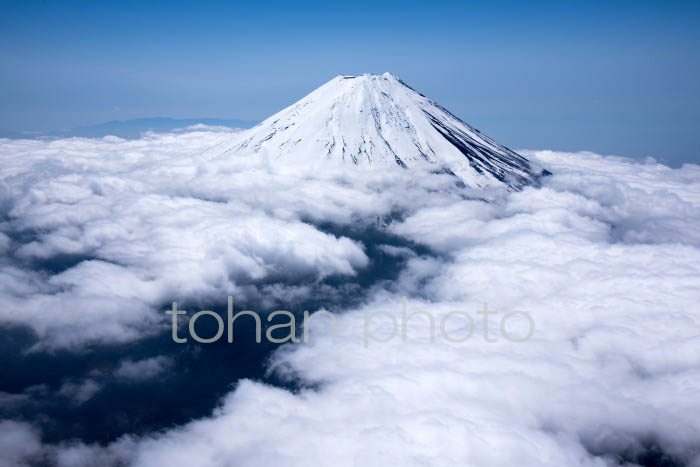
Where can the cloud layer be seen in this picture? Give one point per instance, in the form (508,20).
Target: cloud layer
(97,235)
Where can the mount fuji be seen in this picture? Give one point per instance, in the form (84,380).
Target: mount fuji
(378,120)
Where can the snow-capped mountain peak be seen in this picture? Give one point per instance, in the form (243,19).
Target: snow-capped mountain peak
(379,120)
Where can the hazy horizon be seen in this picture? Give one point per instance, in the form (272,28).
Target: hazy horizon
(619,78)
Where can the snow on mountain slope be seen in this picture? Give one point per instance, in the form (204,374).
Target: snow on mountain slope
(379,120)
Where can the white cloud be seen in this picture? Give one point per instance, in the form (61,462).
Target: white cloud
(19,444)
(134,216)
(613,362)
(605,257)
(142,369)
(79,392)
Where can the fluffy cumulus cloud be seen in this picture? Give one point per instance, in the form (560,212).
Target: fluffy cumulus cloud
(599,267)
(118,228)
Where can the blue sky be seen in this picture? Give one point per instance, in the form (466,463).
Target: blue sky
(615,78)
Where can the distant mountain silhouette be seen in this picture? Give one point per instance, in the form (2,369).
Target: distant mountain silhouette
(132,128)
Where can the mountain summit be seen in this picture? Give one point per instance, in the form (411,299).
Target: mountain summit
(380,120)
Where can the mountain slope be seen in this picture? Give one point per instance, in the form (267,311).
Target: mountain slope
(379,120)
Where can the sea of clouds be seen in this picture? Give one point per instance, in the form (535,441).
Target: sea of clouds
(97,236)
